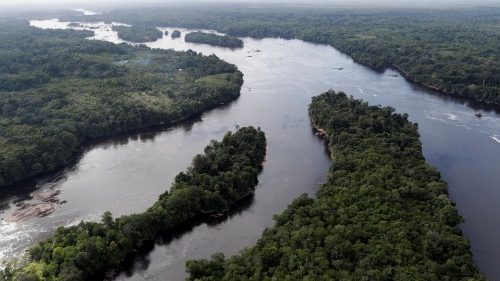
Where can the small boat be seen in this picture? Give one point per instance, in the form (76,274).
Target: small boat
(478,115)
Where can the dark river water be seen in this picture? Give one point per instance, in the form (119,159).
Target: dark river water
(127,173)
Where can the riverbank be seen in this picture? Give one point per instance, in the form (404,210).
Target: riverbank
(434,89)
(383,213)
(323,133)
(200,191)
(369,36)
(43,130)
(44,203)
(274,96)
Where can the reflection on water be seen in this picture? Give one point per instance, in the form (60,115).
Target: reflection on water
(126,174)
(143,260)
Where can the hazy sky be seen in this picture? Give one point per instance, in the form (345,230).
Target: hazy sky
(368,3)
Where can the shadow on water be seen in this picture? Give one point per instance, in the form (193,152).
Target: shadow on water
(145,134)
(451,98)
(21,191)
(141,261)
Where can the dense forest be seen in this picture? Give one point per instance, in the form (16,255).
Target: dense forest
(384,214)
(175,34)
(453,51)
(224,174)
(138,34)
(214,39)
(58,90)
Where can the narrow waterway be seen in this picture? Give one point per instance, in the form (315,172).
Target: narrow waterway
(126,174)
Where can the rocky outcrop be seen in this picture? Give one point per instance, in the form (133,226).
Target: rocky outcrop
(42,203)
(27,211)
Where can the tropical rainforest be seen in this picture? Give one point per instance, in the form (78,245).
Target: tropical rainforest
(137,34)
(384,214)
(455,51)
(214,39)
(58,90)
(216,180)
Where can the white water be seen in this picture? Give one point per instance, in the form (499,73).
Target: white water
(86,12)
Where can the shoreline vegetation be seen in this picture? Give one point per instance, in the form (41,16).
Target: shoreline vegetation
(214,39)
(225,174)
(454,53)
(60,90)
(383,214)
(138,34)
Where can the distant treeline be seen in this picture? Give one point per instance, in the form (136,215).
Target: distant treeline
(214,39)
(454,51)
(138,34)
(58,90)
(384,214)
(224,174)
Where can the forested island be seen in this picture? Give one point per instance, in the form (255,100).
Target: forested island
(138,34)
(384,214)
(58,90)
(216,180)
(455,52)
(214,39)
(175,34)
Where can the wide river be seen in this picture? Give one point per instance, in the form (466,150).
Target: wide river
(125,174)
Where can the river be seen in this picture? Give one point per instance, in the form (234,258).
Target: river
(125,174)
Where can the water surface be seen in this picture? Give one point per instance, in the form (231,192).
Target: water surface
(127,173)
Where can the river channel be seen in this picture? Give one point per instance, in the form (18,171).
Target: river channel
(125,174)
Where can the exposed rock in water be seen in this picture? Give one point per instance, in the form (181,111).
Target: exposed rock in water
(28,211)
(43,204)
(46,196)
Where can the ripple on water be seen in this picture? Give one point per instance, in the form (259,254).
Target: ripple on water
(13,238)
(451,116)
